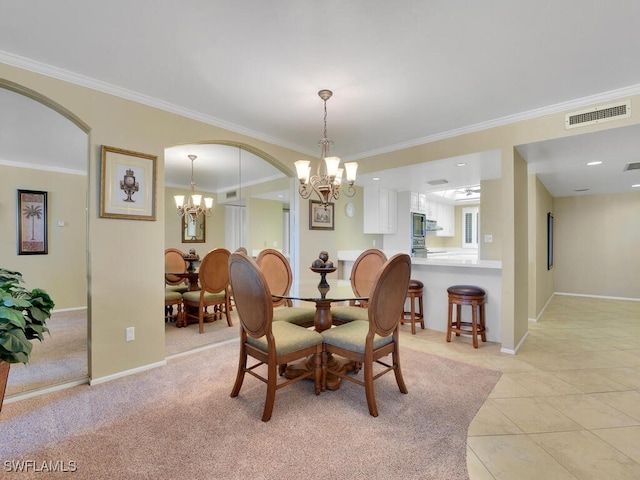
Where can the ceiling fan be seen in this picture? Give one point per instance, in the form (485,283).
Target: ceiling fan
(469,191)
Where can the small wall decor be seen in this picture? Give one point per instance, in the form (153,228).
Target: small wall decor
(128,184)
(321,217)
(194,230)
(31,215)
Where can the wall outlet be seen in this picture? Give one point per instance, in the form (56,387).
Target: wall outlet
(131,334)
(488,238)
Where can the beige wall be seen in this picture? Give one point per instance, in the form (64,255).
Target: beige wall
(541,280)
(264,224)
(63,271)
(491,220)
(596,245)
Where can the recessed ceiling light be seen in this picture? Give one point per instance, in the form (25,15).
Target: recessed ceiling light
(597,162)
(280,196)
(637,185)
(375,179)
(460,164)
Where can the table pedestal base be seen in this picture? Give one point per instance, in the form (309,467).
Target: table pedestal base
(333,381)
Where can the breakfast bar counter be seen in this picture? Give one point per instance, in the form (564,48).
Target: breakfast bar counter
(439,273)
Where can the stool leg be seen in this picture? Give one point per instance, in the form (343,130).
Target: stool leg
(458,319)
(474,324)
(483,334)
(421,312)
(413,315)
(450,322)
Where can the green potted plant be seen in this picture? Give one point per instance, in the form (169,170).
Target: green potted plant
(23,316)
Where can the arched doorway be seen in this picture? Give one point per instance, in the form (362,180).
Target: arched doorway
(44,147)
(251,209)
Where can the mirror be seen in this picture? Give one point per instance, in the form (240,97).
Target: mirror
(194,229)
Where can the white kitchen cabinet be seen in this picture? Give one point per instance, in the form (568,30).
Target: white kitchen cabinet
(446,219)
(415,202)
(380,210)
(422,202)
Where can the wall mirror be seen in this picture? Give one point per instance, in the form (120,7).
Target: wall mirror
(194,229)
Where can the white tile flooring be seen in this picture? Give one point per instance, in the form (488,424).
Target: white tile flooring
(567,405)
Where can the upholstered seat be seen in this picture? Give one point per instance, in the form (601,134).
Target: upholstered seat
(171,299)
(271,343)
(368,342)
(302,316)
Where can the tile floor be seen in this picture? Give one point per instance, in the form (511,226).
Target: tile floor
(567,405)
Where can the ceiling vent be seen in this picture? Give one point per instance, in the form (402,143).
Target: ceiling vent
(232,195)
(631,166)
(599,114)
(442,181)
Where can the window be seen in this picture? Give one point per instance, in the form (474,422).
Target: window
(470,227)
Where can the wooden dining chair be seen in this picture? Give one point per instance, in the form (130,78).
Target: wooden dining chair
(214,290)
(367,342)
(271,343)
(174,262)
(363,274)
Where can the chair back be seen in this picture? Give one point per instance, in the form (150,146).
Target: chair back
(277,271)
(174,262)
(364,271)
(214,271)
(386,302)
(252,295)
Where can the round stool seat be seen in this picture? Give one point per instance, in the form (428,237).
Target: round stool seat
(415,284)
(475,297)
(466,290)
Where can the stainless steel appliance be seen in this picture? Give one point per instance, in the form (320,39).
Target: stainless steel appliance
(418,235)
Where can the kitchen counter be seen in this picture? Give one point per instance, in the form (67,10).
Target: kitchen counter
(440,271)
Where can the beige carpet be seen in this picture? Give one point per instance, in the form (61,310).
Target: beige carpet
(60,358)
(179,422)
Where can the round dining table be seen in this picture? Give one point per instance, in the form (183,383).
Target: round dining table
(323,294)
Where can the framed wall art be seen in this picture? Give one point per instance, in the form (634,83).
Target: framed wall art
(321,217)
(549,241)
(31,215)
(128,184)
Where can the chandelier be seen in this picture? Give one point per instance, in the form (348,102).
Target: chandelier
(193,208)
(327,182)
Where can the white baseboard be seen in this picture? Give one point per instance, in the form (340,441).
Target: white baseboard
(126,373)
(515,350)
(607,297)
(43,391)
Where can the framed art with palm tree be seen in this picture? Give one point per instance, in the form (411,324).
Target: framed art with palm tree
(32,222)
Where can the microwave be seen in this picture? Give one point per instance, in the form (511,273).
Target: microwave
(418,225)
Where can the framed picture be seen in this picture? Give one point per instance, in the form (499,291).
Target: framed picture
(128,184)
(31,214)
(549,241)
(194,230)
(321,217)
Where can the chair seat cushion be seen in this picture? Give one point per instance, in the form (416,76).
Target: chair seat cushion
(289,338)
(177,288)
(344,314)
(295,315)
(352,336)
(170,296)
(194,297)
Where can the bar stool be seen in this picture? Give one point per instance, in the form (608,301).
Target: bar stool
(415,290)
(467,295)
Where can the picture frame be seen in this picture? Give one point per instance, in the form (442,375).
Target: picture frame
(321,217)
(128,184)
(32,223)
(194,231)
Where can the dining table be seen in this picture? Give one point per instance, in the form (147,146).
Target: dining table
(323,295)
